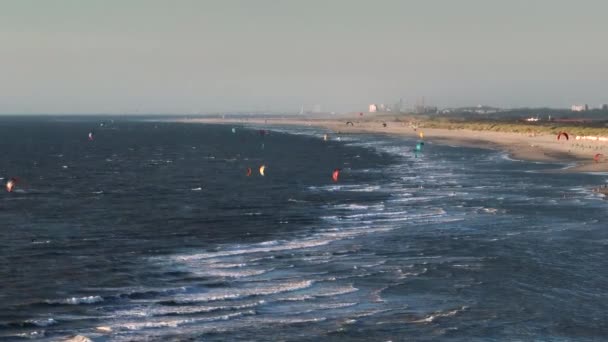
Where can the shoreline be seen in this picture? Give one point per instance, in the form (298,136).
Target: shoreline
(538,148)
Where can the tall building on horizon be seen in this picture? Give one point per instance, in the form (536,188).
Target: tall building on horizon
(580,108)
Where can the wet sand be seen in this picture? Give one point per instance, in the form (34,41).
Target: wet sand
(520,146)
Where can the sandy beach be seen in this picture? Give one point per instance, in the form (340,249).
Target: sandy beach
(520,146)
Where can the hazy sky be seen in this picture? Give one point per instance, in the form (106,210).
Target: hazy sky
(116,56)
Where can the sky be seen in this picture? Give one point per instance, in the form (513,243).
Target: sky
(202,56)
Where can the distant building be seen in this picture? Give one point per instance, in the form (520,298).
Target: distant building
(425,109)
(580,108)
(479,109)
(373,108)
(604,107)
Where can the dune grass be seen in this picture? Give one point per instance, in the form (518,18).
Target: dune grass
(516,127)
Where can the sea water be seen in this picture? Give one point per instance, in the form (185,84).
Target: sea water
(154,232)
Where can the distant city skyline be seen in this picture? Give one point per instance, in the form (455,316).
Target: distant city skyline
(187,57)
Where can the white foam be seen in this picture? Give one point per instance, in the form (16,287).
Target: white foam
(404,275)
(41,322)
(439,314)
(178,322)
(29,335)
(77,300)
(359,207)
(376,295)
(339,291)
(321,293)
(259,248)
(269,320)
(227,265)
(238,293)
(152,311)
(369,188)
(233,273)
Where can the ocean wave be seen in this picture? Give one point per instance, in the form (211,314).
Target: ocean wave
(287,321)
(321,293)
(154,310)
(259,248)
(41,322)
(332,306)
(140,293)
(28,335)
(76,300)
(359,207)
(37,322)
(226,265)
(232,273)
(370,188)
(240,293)
(178,322)
(439,314)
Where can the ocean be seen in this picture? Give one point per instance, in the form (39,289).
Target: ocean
(153,231)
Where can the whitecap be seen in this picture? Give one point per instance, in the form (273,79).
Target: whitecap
(77,300)
(430,318)
(260,248)
(233,273)
(321,293)
(179,322)
(42,322)
(238,293)
(152,311)
(291,320)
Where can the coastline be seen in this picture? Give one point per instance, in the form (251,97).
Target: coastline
(519,146)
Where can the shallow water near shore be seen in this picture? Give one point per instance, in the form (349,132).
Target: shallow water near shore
(154,231)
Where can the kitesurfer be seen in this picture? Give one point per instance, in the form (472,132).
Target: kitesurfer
(563,134)
(335,175)
(10,185)
(598,157)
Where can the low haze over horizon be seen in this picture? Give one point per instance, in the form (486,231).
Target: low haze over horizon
(149,56)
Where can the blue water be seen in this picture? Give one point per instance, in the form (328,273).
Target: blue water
(154,231)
